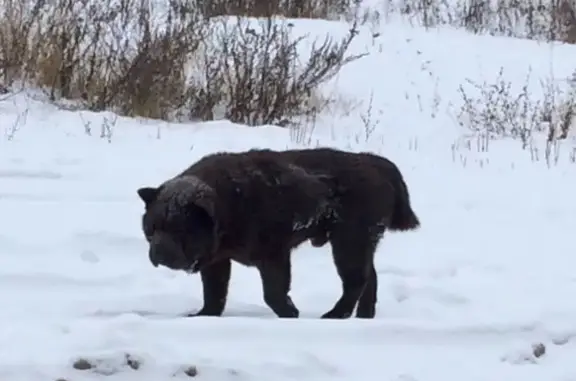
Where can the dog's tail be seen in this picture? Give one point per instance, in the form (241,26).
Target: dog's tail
(403,217)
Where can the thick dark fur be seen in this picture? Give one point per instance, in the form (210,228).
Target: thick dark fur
(254,207)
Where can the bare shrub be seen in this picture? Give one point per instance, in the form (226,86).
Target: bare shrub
(109,55)
(314,9)
(137,59)
(549,20)
(497,110)
(256,79)
(567,19)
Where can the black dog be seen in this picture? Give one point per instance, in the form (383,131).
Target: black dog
(254,207)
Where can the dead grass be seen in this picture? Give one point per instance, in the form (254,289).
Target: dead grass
(498,110)
(137,59)
(544,20)
(312,9)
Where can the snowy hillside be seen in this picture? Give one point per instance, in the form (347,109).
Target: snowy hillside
(489,275)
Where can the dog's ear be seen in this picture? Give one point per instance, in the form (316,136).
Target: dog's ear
(208,204)
(208,201)
(148,194)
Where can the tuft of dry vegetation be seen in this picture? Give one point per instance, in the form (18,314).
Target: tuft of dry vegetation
(112,364)
(82,364)
(525,356)
(546,20)
(497,110)
(191,371)
(311,9)
(108,365)
(174,60)
(538,350)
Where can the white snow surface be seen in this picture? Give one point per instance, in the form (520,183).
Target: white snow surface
(490,273)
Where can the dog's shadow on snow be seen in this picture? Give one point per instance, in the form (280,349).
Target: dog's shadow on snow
(255,312)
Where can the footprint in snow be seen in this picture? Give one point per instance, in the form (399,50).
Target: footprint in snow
(89,256)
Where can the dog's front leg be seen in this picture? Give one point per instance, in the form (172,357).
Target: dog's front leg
(276,279)
(215,281)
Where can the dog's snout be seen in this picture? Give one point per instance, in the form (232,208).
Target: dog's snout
(163,251)
(158,249)
(154,254)
(153,257)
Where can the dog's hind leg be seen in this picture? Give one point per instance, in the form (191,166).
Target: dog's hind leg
(367,304)
(353,253)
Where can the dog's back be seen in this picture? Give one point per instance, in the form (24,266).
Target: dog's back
(370,188)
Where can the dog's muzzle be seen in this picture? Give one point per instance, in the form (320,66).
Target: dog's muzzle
(163,251)
(153,255)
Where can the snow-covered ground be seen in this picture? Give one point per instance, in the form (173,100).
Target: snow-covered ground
(490,273)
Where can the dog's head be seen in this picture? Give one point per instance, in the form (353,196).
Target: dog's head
(180,223)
